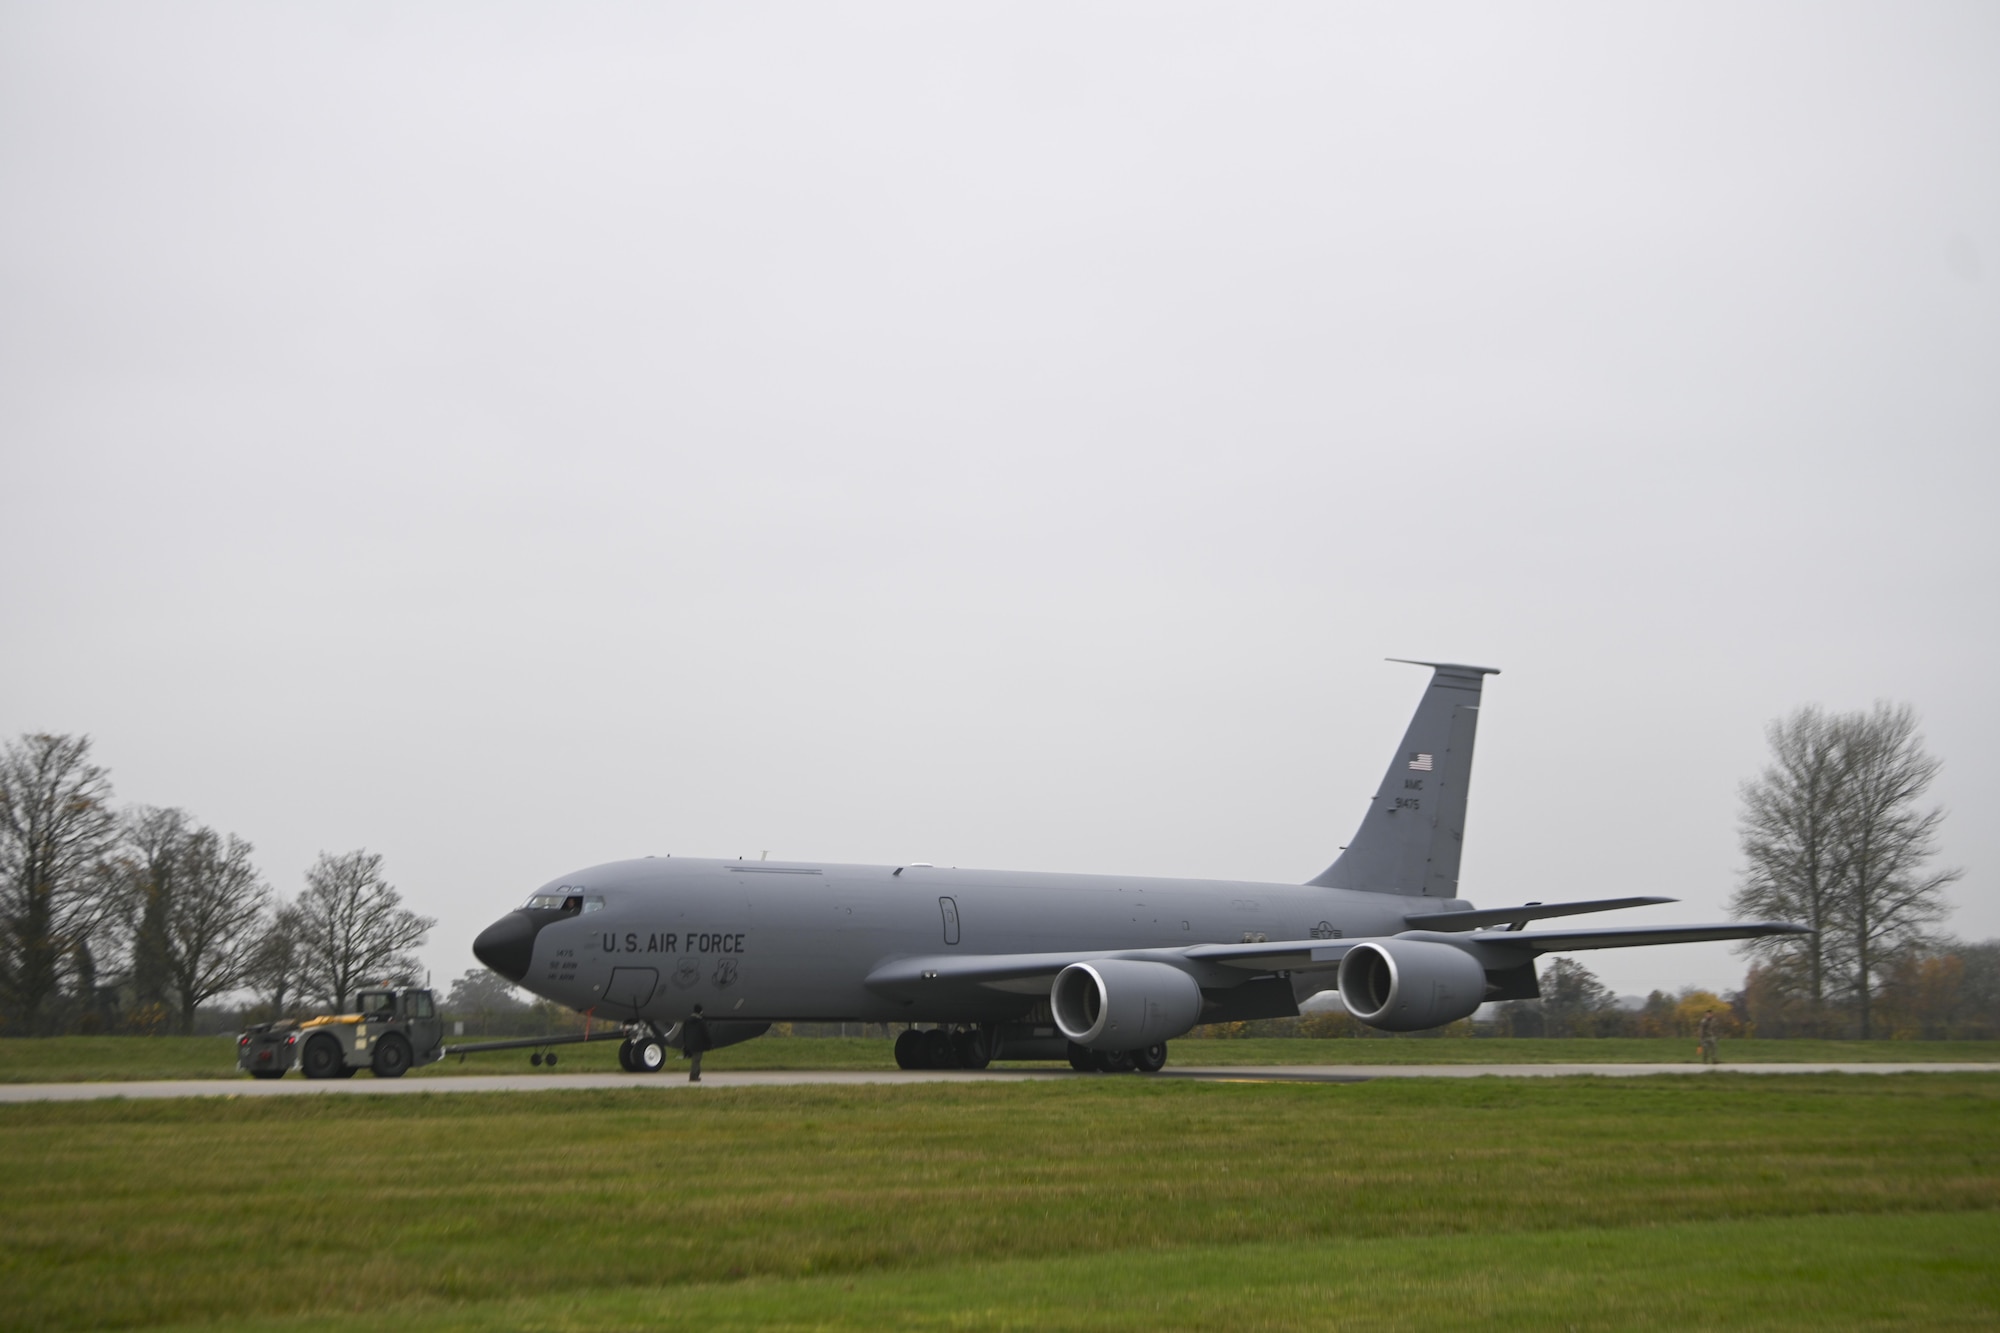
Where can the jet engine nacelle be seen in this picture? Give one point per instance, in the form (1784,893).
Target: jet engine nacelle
(1405,985)
(1116,1004)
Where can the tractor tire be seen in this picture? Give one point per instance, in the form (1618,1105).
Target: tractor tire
(392,1057)
(322,1058)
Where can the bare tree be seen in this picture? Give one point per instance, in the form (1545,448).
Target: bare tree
(154,845)
(276,965)
(1791,843)
(354,926)
(1888,894)
(1833,839)
(211,920)
(56,827)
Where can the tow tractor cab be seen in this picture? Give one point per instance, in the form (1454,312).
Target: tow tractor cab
(390,1032)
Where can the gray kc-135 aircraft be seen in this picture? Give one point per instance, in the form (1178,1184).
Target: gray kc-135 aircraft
(1099,969)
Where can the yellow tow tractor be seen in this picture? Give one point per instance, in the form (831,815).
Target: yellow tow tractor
(394,1031)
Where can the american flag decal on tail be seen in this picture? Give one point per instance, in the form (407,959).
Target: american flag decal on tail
(1420,762)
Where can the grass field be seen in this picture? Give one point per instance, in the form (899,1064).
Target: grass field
(100,1059)
(1665,1202)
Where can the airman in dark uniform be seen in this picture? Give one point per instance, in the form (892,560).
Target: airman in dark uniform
(694,1040)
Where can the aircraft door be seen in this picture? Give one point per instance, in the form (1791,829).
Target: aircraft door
(950,910)
(631,987)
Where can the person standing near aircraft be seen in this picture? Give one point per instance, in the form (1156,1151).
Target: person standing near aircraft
(694,1040)
(1707,1031)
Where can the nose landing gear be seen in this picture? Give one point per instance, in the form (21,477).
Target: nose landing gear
(645,1052)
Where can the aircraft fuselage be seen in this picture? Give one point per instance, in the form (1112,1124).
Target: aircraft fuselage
(784,941)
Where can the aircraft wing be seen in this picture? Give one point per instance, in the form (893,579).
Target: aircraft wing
(1033,973)
(1228,964)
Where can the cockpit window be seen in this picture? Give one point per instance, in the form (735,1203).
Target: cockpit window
(562,902)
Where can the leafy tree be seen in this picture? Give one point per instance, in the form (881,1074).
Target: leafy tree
(56,828)
(1573,999)
(1695,1003)
(1656,1019)
(355,928)
(482,995)
(1980,988)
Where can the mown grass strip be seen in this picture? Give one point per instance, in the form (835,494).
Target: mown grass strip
(121,1059)
(1895,1271)
(137,1213)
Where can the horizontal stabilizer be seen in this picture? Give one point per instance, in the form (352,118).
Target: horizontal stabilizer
(1627,937)
(1514,916)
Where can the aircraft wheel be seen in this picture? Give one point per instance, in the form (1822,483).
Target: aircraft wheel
(536,1059)
(392,1057)
(910,1050)
(1150,1059)
(321,1058)
(972,1049)
(550,1059)
(649,1055)
(1081,1059)
(938,1050)
(1114,1062)
(625,1057)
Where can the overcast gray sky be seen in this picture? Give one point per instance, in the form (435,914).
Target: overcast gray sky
(516,437)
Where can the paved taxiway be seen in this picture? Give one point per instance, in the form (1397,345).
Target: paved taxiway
(673,1080)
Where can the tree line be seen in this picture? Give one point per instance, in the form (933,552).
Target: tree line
(128,920)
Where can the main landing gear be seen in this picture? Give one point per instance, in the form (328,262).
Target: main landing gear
(968,1047)
(946,1048)
(1146,1060)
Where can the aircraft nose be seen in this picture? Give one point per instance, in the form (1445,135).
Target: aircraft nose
(508,945)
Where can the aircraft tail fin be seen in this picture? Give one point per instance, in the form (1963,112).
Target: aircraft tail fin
(1410,838)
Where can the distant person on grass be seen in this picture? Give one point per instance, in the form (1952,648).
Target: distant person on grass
(694,1040)
(1708,1038)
